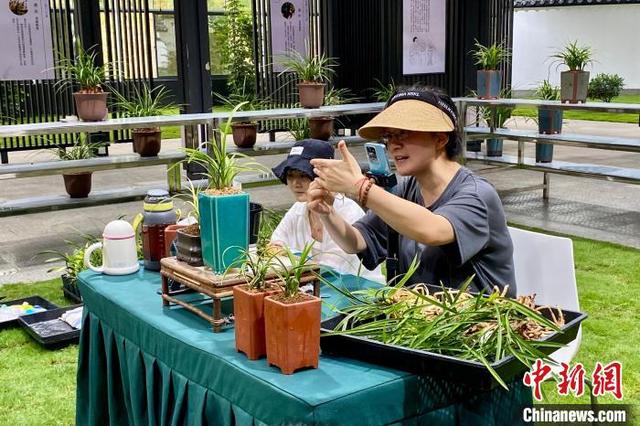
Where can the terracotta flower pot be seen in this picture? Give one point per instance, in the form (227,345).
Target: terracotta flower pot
(91,106)
(311,94)
(321,127)
(244,134)
(293,333)
(248,311)
(170,234)
(147,142)
(188,246)
(78,185)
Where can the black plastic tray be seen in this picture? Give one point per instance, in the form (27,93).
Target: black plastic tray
(472,373)
(32,300)
(48,330)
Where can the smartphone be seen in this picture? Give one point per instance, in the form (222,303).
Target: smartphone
(377,158)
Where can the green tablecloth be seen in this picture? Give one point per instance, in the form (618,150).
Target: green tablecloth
(141,363)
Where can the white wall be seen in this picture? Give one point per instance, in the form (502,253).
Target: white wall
(612,31)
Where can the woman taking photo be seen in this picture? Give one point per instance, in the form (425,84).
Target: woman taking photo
(451,219)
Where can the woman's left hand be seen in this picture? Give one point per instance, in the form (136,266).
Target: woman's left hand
(339,175)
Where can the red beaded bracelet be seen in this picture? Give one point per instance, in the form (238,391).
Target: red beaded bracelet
(365,195)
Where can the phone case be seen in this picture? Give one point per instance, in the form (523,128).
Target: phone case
(377,158)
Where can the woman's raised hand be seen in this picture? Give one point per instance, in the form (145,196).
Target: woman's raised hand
(339,175)
(319,200)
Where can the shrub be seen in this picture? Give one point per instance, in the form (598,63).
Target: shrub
(605,86)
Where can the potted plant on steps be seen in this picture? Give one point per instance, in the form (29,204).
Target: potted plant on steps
(313,72)
(574,83)
(292,320)
(549,120)
(322,127)
(223,208)
(73,265)
(496,117)
(77,185)
(489,59)
(90,99)
(244,132)
(145,102)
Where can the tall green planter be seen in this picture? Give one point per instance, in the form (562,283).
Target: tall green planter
(224,228)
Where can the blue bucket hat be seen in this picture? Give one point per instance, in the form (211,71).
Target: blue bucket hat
(299,156)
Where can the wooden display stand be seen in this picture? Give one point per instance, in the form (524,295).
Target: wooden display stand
(203,280)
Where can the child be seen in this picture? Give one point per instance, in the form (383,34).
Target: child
(300,225)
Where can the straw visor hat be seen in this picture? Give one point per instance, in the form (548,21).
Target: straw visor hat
(414,111)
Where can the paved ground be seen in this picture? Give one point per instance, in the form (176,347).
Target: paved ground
(578,206)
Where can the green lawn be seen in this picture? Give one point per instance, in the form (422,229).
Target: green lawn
(592,116)
(608,279)
(39,385)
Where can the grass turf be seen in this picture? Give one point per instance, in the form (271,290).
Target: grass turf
(592,116)
(39,385)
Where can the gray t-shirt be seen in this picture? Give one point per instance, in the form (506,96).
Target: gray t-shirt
(482,247)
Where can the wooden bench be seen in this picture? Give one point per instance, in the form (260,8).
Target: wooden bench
(195,128)
(174,181)
(41,203)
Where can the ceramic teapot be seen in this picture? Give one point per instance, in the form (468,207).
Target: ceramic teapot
(119,254)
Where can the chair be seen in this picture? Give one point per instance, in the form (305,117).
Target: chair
(544,266)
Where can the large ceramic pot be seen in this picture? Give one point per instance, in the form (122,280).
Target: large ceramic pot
(321,128)
(244,134)
(78,185)
(489,82)
(91,106)
(224,228)
(574,86)
(549,121)
(293,333)
(147,142)
(311,94)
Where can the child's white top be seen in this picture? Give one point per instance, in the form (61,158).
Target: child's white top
(294,230)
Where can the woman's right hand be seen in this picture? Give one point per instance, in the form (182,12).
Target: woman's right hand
(319,200)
